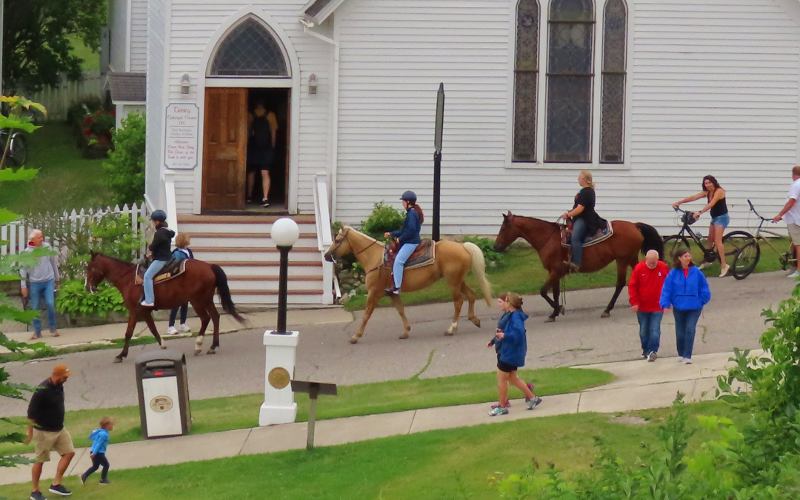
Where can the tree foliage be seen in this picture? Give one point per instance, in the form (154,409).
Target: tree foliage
(125,165)
(36,44)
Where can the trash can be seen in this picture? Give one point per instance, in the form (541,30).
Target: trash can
(163,394)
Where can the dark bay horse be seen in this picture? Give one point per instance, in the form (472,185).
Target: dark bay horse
(623,246)
(196,286)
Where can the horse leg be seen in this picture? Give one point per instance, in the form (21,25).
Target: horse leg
(128,334)
(471,298)
(204,318)
(372,301)
(401,310)
(551,284)
(458,301)
(559,308)
(212,311)
(622,273)
(148,318)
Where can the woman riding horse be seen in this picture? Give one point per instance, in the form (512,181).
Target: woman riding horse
(160,252)
(407,239)
(585,220)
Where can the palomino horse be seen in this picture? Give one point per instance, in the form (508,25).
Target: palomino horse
(623,246)
(453,262)
(195,285)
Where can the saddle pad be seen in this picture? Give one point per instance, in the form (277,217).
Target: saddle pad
(173,269)
(424,255)
(602,234)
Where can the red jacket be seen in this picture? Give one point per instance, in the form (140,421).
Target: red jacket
(644,288)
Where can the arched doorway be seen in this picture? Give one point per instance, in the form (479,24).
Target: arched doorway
(249,68)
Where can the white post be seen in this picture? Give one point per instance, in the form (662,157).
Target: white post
(279,406)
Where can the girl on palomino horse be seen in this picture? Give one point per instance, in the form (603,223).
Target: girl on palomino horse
(160,252)
(407,238)
(585,220)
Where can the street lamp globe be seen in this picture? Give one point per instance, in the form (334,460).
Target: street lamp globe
(285,232)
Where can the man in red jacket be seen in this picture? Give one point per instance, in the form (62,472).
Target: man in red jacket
(644,290)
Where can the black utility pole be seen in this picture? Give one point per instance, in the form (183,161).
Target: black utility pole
(437,160)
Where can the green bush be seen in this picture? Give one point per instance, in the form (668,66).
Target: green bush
(383,218)
(493,257)
(125,164)
(84,106)
(74,299)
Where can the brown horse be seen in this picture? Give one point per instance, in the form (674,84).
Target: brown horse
(196,285)
(623,246)
(453,262)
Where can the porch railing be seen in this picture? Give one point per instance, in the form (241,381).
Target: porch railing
(322,215)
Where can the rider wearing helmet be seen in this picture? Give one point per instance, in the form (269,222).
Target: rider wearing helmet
(160,252)
(407,238)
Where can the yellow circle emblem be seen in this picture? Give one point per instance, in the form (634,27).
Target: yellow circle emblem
(278,377)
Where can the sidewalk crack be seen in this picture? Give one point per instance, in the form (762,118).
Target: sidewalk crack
(578,409)
(246,439)
(411,425)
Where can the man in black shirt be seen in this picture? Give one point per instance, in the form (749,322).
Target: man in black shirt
(46,430)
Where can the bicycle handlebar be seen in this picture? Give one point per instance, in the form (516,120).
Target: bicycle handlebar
(753,209)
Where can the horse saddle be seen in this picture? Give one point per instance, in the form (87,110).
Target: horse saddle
(172,269)
(424,254)
(604,232)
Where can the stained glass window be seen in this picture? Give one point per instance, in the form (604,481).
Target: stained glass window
(249,50)
(570,74)
(526,72)
(614,62)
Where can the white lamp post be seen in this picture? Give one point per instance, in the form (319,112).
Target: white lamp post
(281,346)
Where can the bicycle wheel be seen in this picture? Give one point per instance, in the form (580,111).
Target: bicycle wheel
(671,243)
(18,151)
(744,249)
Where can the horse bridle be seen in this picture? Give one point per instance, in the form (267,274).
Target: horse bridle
(355,254)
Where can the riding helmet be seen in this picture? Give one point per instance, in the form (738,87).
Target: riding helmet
(159,215)
(409,196)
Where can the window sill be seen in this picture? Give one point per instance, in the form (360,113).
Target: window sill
(526,165)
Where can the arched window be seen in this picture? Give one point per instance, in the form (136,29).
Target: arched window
(250,49)
(570,73)
(614,62)
(526,73)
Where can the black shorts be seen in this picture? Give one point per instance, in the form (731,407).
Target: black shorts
(505,367)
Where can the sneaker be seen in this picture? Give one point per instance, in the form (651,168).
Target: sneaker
(574,268)
(60,489)
(498,411)
(687,361)
(680,359)
(105,481)
(704,265)
(172,331)
(794,275)
(265,203)
(498,405)
(533,403)
(185,328)
(652,356)
(723,271)
(392,291)
(644,355)
(37,495)
(147,304)
(83,478)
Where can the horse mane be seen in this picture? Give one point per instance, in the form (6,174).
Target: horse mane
(115,259)
(361,233)
(535,219)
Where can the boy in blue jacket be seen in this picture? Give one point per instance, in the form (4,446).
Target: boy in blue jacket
(97,452)
(511,346)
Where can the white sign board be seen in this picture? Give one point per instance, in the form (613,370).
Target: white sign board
(180,144)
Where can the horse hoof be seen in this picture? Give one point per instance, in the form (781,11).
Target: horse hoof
(198,352)
(163,346)
(476,322)
(353,340)
(211,351)
(550,319)
(561,310)
(605,314)
(117,359)
(448,333)
(403,336)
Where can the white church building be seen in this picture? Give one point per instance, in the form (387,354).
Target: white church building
(650,95)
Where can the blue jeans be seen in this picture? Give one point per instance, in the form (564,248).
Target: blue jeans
(174,314)
(400,262)
(155,267)
(649,330)
(685,325)
(43,290)
(579,230)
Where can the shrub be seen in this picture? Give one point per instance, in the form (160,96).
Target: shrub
(493,257)
(125,164)
(84,106)
(382,218)
(74,299)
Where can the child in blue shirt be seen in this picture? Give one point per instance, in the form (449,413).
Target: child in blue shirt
(97,452)
(407,238)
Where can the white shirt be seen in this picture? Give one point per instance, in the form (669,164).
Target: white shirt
(793,215)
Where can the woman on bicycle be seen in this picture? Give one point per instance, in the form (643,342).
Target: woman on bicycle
(715,203)
(585,220)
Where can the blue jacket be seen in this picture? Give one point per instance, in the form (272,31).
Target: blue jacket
(514,346)
(409,233)
(180,254)
(99,439)
(685,293)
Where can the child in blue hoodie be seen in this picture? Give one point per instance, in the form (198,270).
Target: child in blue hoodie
(99,438)
(511,346)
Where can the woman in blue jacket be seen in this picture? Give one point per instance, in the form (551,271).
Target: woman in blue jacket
(686,292)
(511,345)
(407,238)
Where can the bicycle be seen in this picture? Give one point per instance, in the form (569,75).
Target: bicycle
(17,153)
(747,258)
(733,242)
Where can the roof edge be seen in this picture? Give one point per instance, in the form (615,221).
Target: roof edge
(317,11)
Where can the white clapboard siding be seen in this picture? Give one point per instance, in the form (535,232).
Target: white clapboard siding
(712,89)
(138,55)
(118,26)
(156,100)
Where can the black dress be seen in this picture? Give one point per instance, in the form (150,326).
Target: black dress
(260,152)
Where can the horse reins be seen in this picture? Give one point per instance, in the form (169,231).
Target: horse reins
(356,254)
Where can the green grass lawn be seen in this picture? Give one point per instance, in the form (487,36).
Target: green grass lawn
(241,412)
(66,180)
(522,272)
(90,58)
(456,463)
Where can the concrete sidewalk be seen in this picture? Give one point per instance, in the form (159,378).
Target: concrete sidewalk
(638,385)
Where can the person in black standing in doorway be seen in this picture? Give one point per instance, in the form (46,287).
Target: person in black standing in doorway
(261,141)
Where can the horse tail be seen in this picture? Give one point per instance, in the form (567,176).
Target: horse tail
(225,293)
(652,240)
(479,268)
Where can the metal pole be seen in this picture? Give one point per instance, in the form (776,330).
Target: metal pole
(437,186)
(313,392)
(282,288)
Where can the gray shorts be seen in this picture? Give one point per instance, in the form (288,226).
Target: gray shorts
(794,233)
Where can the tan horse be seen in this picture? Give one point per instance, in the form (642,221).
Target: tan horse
(453,262)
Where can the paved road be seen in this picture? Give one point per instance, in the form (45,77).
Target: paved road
(731,320)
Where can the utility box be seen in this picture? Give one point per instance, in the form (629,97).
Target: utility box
(163,394)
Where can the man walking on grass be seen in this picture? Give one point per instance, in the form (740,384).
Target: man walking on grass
(46,430)
(644,290)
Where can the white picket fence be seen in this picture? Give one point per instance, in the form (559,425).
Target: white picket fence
(57,100)
(14,236)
